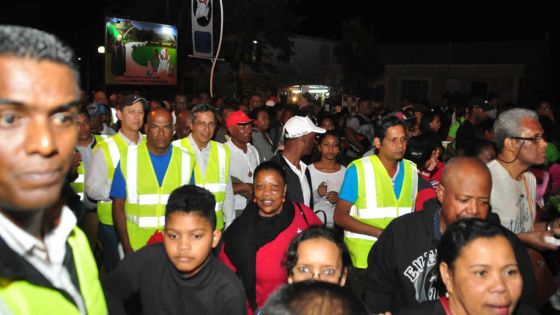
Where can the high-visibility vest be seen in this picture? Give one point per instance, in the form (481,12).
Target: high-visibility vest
(377,204)
(112,148)
(217,173)
(145,199)
(26,298)
(78,184)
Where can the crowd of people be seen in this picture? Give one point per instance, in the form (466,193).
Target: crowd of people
(212,206)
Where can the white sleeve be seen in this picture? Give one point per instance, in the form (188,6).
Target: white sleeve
(353,123)
(97,184)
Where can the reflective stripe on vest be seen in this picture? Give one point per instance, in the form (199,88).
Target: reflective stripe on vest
(145,199)
(112,148)
(78,184)
(147,222)
(377,204)
(217,173)
(23,297)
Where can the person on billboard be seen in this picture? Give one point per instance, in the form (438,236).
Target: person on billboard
(163,61)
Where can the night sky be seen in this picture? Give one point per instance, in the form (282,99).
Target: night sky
(403,23)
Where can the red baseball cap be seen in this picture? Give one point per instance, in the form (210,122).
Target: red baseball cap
(236,118)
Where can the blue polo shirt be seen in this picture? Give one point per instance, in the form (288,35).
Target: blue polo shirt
(159,163)
(349,188)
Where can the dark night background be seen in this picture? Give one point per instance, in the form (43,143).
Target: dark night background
(81,23)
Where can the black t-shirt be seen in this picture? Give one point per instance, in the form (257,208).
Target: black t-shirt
(150,276)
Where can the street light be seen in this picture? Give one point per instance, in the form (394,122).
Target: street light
(101,49)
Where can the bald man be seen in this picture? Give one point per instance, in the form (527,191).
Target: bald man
(402,263)
(144,179)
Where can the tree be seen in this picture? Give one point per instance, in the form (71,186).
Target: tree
(357,55)
(269,22)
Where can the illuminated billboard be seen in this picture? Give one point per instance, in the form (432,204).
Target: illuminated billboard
(140,53)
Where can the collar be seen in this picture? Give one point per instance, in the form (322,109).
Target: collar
(302,166)
(22,242)
(91,144)
(233,147)
(130,142)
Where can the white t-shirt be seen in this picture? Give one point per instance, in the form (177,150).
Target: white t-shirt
(509,198)
(333,181)
(242,167)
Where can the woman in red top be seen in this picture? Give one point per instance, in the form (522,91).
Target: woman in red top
(256,241)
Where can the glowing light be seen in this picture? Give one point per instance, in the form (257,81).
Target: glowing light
(101,49)
(255,42)
(167,30)
(294,99)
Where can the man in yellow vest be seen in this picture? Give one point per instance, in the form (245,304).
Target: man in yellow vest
(105,158)
(46,265)
(144,178)
(376,189)
(83,155)
(212,162)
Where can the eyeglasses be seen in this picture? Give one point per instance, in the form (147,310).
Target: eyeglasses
(534,139)
(203,124)
(323,274)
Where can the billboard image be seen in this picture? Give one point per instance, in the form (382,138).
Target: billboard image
(140,53)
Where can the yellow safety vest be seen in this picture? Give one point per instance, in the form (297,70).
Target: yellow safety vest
(217,173)
(377,204)
(112,148)
(145,199)
(78,184)
(24,298)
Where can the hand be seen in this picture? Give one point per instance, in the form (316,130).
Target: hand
(536,240)
(332,197)
(127,250)
(248,191)
(555,226)
(433,161)
(322,189)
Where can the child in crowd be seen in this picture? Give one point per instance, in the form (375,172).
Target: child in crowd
(181,275)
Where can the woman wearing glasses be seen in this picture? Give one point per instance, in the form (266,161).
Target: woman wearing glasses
(317,254)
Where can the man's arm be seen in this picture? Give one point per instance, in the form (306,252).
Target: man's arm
(346,198)
(535,238)
(241,188)
(119,220)
(118,195)
(97,184)
(343,218)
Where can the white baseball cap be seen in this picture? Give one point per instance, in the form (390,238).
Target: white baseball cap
(298,126)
